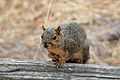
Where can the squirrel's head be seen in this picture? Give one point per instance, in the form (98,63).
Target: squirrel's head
(50,37)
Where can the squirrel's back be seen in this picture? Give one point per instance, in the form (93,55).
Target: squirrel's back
(72,37)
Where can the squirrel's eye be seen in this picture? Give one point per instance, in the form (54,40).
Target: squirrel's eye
(54,37)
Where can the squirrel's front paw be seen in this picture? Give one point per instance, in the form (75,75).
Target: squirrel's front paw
(58,64)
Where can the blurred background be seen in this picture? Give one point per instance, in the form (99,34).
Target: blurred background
(21,20)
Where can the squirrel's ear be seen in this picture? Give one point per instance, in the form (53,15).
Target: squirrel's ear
(43,28)
(58,30)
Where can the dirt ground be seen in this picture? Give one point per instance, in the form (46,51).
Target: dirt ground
(21,20)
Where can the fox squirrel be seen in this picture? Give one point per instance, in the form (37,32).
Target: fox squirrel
(66,43)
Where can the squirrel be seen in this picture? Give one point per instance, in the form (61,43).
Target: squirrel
(66,43)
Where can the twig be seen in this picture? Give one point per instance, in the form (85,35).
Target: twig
(51,6)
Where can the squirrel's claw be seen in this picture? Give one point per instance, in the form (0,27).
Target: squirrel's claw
(58,64)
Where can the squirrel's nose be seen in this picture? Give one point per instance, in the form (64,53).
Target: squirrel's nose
(46,45)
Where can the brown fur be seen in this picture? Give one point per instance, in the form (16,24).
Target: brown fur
(59,55)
